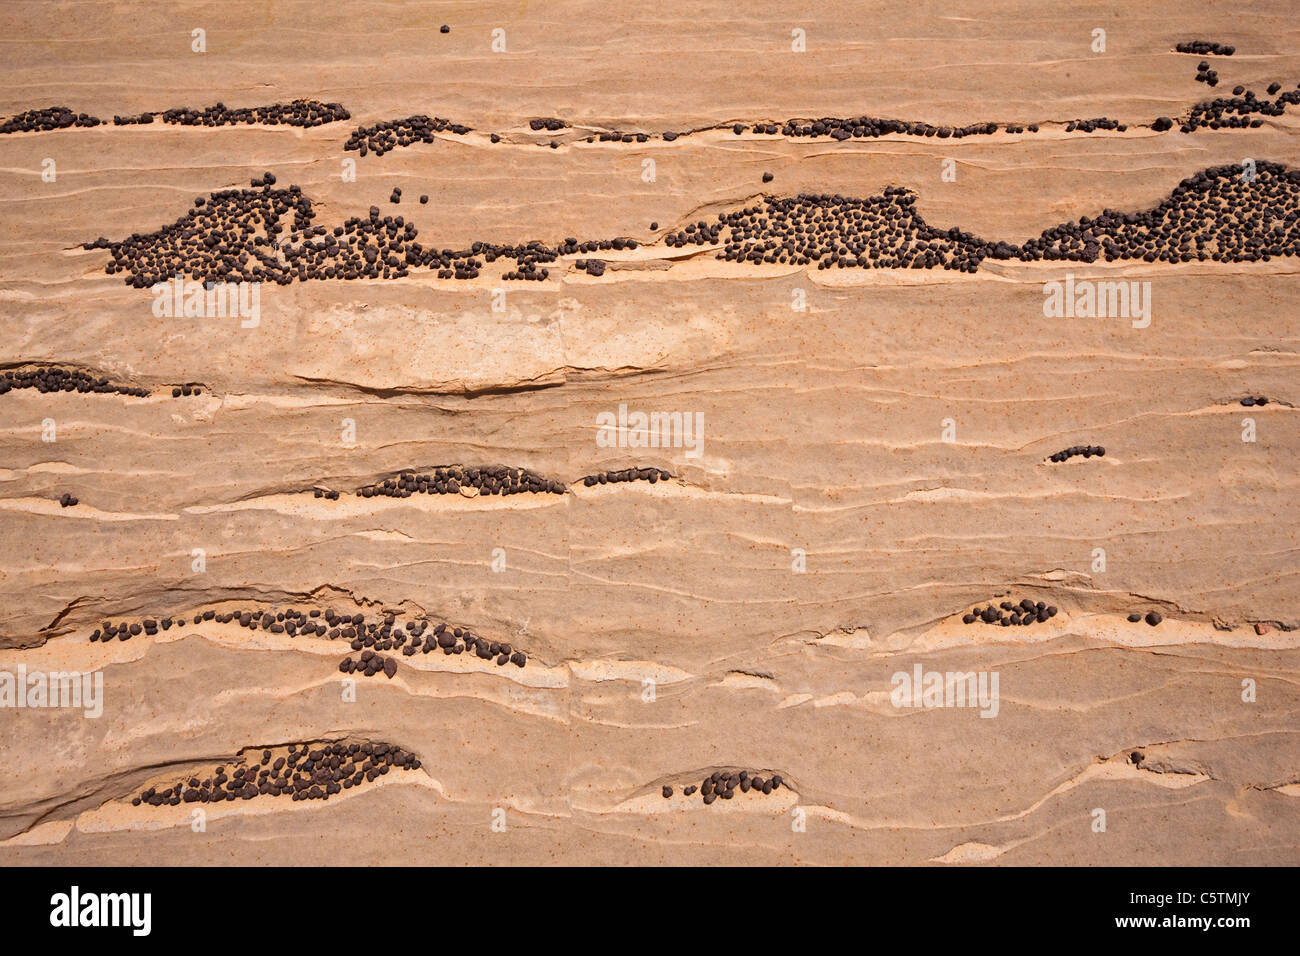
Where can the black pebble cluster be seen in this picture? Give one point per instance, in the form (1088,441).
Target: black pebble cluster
(1240,110)
(724,783)
(531,254)
(1087,451)
(862,127)
(528,270)
(369,635)
(1007,614)
(651,475)
(1216,114)
(1213,215)
(217,240)
(549,123)
(53,378)
(449,479)
(1153,617)
(839,128)
(1248,401)
(880,232)
(611,136)
(51,117)
(67,501)
(301,113)
(1205,75)
(1205,47)
(237,236)
(314,771)
(1091,125)
(370,664)
(390,134)
(420,638)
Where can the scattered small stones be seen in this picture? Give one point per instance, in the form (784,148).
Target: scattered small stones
(651,475)
(310,771)
(54,378)
(1087,451)
(1205,75)
(768,177)
(723,784)
(450,479)
(1205,47)
(1153,618)
(67,501)
(1248,401)
(179,391)
(390,134)
(444,29)
(1007,614)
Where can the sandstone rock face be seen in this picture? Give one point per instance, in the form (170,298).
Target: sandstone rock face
(838,441)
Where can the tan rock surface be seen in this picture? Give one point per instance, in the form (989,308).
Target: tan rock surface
(822,443)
